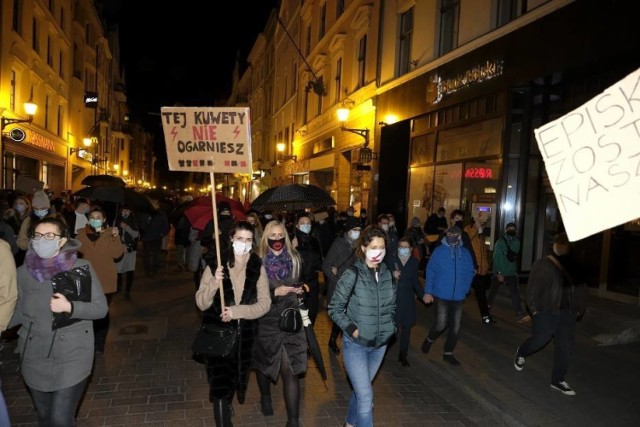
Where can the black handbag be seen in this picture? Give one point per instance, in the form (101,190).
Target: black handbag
(75,284)
(215,340)
(290,320)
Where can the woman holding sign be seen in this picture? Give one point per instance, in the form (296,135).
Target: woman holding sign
(246,298)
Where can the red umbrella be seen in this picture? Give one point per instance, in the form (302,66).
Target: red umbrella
(200,211)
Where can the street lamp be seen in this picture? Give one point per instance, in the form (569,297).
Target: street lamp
(17,134)
(366,154)
(280,146)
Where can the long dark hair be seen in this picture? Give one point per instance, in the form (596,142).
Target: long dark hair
(240,225)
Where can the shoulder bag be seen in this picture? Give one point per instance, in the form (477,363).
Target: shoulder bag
(216,340)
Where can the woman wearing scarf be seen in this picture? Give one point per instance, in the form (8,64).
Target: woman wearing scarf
(56,363)
(405,275)
(275,352)
(101,246)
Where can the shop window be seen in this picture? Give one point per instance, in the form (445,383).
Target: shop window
(475,140)
(447,189)
(423,149)
(421,193)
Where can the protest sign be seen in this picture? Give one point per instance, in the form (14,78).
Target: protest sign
(592,157)
(207,139)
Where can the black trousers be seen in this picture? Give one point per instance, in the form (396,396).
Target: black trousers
(561,327)
(101,328)
(481,283)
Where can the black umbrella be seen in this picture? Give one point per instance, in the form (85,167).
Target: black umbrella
(312,342)
(103,181)
(119,195)
(292,197)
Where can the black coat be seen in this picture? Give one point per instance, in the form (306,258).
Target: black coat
(407,288)
(341,255)
(226,376)
(271,341)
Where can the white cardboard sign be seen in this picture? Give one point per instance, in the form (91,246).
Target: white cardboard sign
(207,139)
(592,157)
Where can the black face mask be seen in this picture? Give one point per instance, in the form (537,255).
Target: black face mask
(511,232)
(276,245)
(459,224)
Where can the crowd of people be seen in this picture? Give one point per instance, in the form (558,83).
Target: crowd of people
(268,262)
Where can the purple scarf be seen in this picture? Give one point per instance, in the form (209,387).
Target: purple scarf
(278,267)
(45,268)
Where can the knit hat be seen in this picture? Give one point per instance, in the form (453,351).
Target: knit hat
(511,225)
(352,222)
(224,208)
(40,200)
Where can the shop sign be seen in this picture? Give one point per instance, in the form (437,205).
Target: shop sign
(478,173)
(439,87)
(38,140)
(85,155)
(91,100)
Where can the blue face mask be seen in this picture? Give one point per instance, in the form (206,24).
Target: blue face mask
(95,223)
(41,213)
(403,252)
(305,228)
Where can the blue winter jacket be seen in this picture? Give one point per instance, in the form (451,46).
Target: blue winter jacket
(449,272)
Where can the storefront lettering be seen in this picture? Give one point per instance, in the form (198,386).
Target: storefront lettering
(439,87)
(38,140)
(479,173)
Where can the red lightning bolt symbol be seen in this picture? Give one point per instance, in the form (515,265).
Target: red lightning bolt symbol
(174,132)
(236,131)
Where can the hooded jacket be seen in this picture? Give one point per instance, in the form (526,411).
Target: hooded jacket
(449,272)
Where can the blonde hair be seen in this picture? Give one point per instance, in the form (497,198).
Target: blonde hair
(263,248)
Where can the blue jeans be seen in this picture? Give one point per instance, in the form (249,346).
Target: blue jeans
(448,313)
(362,364)
(58,408)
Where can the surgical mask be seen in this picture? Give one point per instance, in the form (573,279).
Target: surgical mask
(305,228)
(375,256)
(321,221)
(125,215)
(453,240)
(404,252)
(45,248)
(385,227)
(354,235)
(276,245)
(268,216)
(95,223)
(241,248)
(41,213)
(20,208)
(392,223)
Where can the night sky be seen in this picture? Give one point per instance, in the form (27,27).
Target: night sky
(182,53)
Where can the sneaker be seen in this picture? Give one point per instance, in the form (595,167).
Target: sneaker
(563,387)
(487,320)
(450,359)
(426,345)
(518,361)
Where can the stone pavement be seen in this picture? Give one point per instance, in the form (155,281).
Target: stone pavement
(146,376)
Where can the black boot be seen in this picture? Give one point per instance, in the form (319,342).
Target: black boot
(403,359)
(222,413)
(265,406)
(127,292)
(293,422)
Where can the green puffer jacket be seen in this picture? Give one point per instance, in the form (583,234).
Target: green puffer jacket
(368,306)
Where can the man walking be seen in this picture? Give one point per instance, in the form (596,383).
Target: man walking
(555,294)
(449,275)
(505,270)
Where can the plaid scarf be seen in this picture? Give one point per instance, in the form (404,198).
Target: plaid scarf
(43,269)
(278,267)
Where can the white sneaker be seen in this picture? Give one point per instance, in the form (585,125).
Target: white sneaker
(564,388)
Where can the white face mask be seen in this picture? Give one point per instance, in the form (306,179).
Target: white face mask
(354,235)
(385,227)
(268,216)
(45,248)
(241,248)
(375,256)
(403,252)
